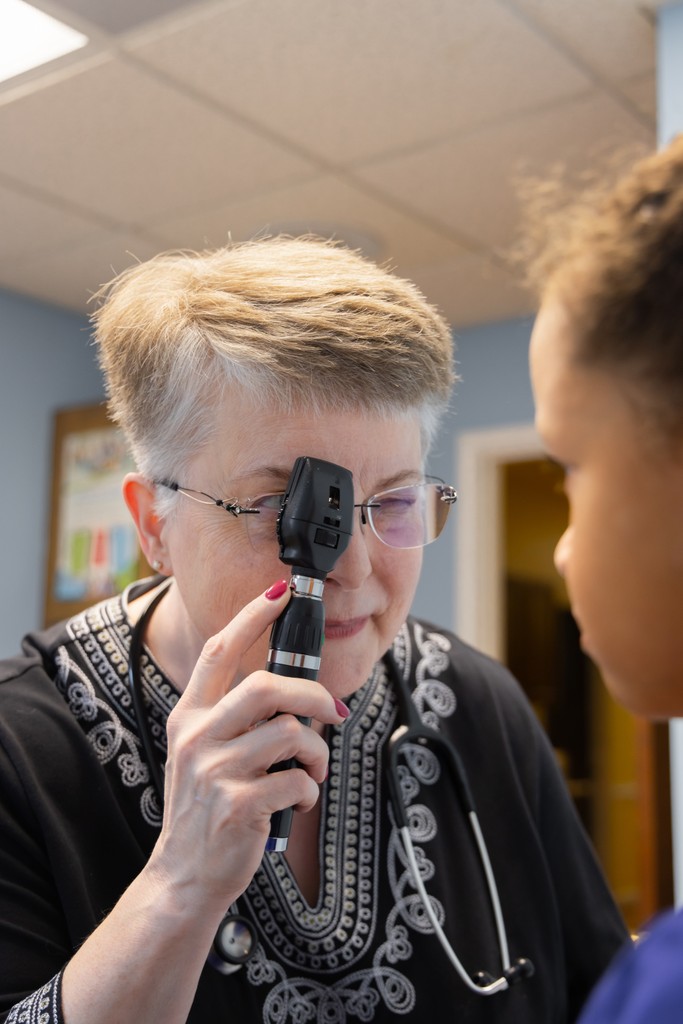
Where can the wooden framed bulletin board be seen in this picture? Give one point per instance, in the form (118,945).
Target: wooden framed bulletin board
(93,548)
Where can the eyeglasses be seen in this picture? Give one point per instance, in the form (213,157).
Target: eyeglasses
(402,517)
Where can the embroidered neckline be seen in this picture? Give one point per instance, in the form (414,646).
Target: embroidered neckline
(99,649)
(336,932)
(299,943)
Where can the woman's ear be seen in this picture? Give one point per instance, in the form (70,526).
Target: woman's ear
(139,494)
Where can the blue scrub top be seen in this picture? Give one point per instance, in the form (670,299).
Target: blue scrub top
(645,984)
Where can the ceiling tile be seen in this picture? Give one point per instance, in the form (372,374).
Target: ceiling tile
(469,183)
(115,140)
(123,15)
(76,274)
(327,206)
(350,80)
(31,225)
(614,37)
(472,291)
(396,125)
(641,91)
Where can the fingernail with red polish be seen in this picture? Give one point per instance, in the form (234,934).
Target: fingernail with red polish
(277,590)
(341,707)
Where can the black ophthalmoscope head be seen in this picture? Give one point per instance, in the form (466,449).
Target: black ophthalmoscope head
(316,519)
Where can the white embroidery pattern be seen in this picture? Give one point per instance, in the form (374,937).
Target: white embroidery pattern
(298,1000)
(331,937)
(100,641)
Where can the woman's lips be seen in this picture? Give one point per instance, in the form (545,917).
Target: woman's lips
(341,629)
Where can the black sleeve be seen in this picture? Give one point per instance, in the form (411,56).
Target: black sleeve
(34,944)
(66,849)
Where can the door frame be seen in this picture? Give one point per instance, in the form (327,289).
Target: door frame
(480,609)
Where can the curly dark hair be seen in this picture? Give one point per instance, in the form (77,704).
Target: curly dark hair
(613,256)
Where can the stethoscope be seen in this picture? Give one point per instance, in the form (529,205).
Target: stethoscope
(414,731)
(236,940)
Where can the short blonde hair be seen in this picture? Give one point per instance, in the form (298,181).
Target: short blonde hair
(299,323)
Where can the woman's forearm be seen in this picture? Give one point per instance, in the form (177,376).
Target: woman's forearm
(144,961)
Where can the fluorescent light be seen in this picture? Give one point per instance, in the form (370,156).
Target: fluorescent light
(28,38)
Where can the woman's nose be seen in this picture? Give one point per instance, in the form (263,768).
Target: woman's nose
(355,565)
(563,551)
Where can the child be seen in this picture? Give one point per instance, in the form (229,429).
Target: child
(607,372)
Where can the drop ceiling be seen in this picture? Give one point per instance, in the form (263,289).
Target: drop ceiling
(397,126)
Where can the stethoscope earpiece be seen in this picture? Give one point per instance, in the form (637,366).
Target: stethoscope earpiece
(522,968)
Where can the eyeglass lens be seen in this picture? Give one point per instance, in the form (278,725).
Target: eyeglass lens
(404,517)
(408,517)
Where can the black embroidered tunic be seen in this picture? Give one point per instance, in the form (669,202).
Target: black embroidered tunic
(79,817)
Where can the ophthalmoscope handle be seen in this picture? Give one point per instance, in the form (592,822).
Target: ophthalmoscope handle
(295,644)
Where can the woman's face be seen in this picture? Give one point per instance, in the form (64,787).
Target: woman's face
(622,554)
(217,570)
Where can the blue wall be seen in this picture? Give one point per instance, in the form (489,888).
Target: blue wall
(46,363)
(494,391)
(669,72)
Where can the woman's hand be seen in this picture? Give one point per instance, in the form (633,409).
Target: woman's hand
(222,739)
(143,962)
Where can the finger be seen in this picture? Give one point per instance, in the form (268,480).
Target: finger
(281,739)
(301,792)
(263,695)
(254,804)
(221,654)
(291,788)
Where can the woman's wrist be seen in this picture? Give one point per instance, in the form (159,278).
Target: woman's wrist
(179,903)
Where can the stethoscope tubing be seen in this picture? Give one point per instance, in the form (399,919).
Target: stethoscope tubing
(417,733)
(500,984)
(135,686)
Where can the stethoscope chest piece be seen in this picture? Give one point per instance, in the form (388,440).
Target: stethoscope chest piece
(234,944)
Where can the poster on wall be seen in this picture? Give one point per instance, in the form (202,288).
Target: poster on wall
(94,551)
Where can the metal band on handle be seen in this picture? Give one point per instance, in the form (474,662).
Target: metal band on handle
(293,660)
(307,586)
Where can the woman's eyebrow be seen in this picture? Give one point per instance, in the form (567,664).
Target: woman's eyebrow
(278,474)
(401,478)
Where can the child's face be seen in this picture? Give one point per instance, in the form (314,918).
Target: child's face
(622,554)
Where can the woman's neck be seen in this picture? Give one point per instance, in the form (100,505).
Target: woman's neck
(168,635)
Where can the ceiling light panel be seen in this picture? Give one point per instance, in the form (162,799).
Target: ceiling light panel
(29,38)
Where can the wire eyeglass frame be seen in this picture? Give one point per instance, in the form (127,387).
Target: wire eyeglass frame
(385,512)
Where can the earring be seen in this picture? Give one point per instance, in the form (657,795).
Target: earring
(156,565)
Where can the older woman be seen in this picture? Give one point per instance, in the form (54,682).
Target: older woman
(223,368)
